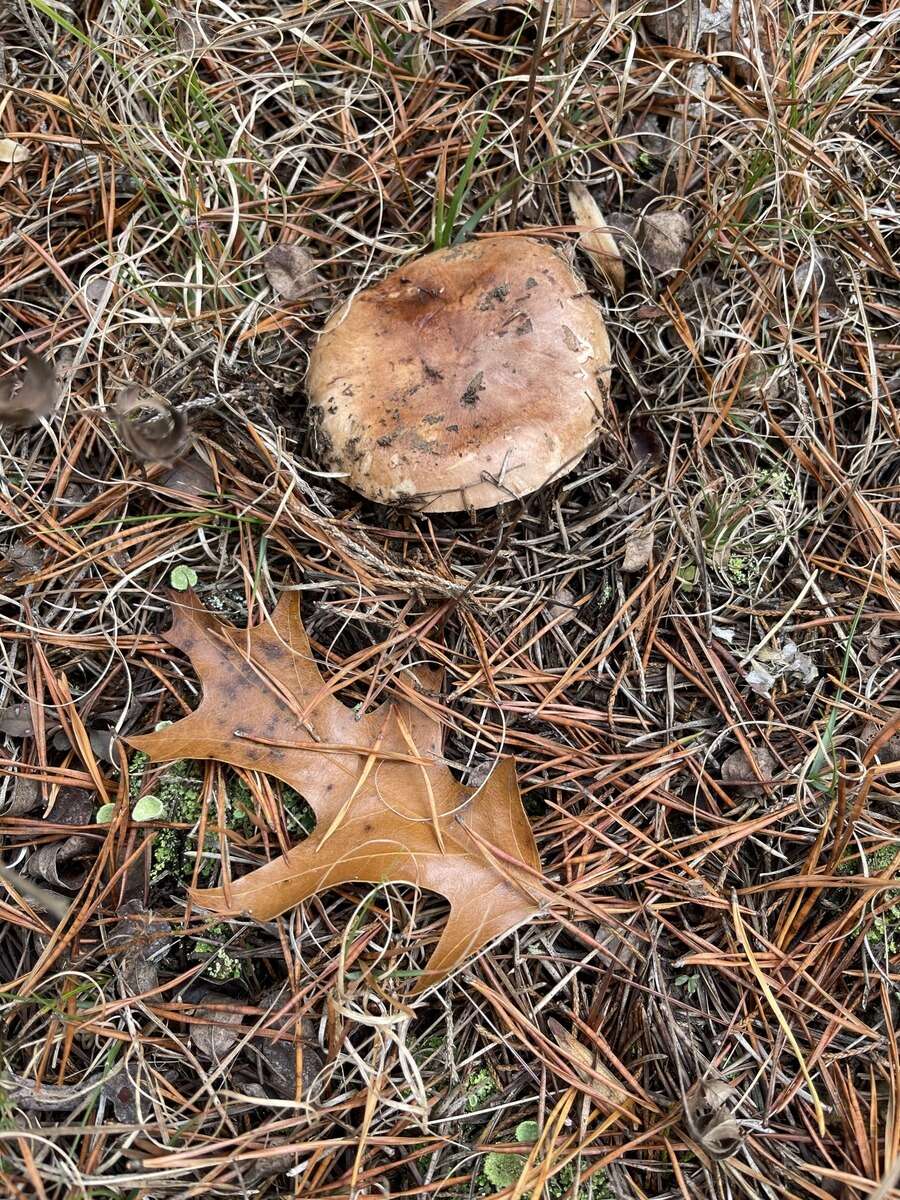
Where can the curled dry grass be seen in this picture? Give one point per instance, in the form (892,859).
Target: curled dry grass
(709,1006)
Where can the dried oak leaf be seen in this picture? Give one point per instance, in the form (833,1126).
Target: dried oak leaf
(387,810)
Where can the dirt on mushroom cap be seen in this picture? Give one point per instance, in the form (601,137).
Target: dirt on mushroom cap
(468,377)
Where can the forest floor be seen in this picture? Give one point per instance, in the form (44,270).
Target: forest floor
(689,644)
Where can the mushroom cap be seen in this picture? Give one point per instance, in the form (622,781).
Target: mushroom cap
(466,378)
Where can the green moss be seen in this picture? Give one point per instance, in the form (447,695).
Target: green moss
(879,860)
(220,965)
(179,788)
(239,807)
(427,1048)
(884,933)
(136,774)
(528,1131)
(480,1086)
(502,1170)
(876,861)
(741,569)
(595,1188)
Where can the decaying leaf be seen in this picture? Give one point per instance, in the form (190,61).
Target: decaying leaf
(22,559)
(888,750)
(277,1059)
(760,680)
(190,477)
(122,1093)
(215,1030)
(663,238)
(584,1063)
(151,428)
(12,151)
(102,743)
(666,20)
(738,771)
(387,810)
(46,1097)
(29,394)
(16,721)
(709,1115)
(192,35)
(26,796)
(638,549)
(774,661)
(814,279)
(63,864)
(72,806)
(291,271)
(645,443)
(138,941)
(598,243)
(279,1062)
(788,659)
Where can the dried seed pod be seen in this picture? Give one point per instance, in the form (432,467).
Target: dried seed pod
(148,424)
(29,394)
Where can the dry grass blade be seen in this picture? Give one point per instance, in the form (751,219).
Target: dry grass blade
(597,242)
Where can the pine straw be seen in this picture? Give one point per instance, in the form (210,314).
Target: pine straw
(706,938)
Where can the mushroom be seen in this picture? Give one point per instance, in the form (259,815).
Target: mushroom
(466,378)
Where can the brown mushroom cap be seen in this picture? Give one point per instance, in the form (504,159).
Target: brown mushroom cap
(466,378)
